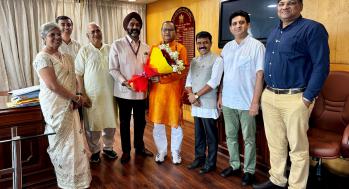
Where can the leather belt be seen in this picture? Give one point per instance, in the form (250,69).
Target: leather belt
(286,91)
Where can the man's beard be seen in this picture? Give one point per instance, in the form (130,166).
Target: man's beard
(133,32)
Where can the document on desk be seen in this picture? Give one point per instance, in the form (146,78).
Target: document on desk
(22,91)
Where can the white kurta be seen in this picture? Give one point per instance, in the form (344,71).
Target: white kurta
(92,64)
(66,147)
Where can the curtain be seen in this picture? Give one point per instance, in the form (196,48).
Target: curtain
(19,39)
(20,21)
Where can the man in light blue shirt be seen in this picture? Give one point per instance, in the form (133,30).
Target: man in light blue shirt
(240,93)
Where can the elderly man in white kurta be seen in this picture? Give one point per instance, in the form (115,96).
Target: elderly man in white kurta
(69,45)
(95,82)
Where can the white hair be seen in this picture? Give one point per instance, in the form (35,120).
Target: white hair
(47,27)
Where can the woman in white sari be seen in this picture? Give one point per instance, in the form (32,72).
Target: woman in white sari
(58,102)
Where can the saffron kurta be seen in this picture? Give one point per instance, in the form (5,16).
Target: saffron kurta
(67,146)
(165,98)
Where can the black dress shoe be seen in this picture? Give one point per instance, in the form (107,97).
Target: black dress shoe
(266,185)
(95,158)
(229,171)
(247,179)
(111,154)
(206,169)
(125,158)
(144,152)
(196,163)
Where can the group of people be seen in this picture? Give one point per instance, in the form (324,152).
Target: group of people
(231,83)
(95,79)
(294,66)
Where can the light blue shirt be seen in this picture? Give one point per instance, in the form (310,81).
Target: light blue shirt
(241,62)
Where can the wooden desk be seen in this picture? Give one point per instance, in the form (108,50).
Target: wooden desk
(37,167)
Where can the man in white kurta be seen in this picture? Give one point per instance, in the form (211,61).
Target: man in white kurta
(94,81)
(69,45)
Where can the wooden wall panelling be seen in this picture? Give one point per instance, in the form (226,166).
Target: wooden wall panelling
(334,16)
(342,46)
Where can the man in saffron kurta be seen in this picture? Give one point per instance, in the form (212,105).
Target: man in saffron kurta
(168,93)
(165,105)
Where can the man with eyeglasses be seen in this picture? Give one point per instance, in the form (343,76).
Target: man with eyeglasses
(165,104)
(96,84)
(296,67)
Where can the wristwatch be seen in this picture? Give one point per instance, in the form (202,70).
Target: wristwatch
(196,96)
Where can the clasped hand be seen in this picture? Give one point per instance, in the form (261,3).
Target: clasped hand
(84,101)
(194,101)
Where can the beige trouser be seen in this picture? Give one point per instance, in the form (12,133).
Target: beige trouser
(93,139)
(286,123)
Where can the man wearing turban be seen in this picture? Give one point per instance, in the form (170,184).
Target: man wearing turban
(127,58)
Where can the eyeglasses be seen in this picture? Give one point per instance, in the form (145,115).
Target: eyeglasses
(168,30)
(97,31)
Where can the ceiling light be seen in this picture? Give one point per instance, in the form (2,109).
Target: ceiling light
(132,0)
(272,6)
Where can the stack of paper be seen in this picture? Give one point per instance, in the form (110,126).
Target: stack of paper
(25,97)
(25,90)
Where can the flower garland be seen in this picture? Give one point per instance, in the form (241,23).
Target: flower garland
(172,58)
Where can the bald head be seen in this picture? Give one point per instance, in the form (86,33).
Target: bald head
(94,34)
(168,31)
(92,24)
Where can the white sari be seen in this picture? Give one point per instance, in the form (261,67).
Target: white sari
(67,146)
